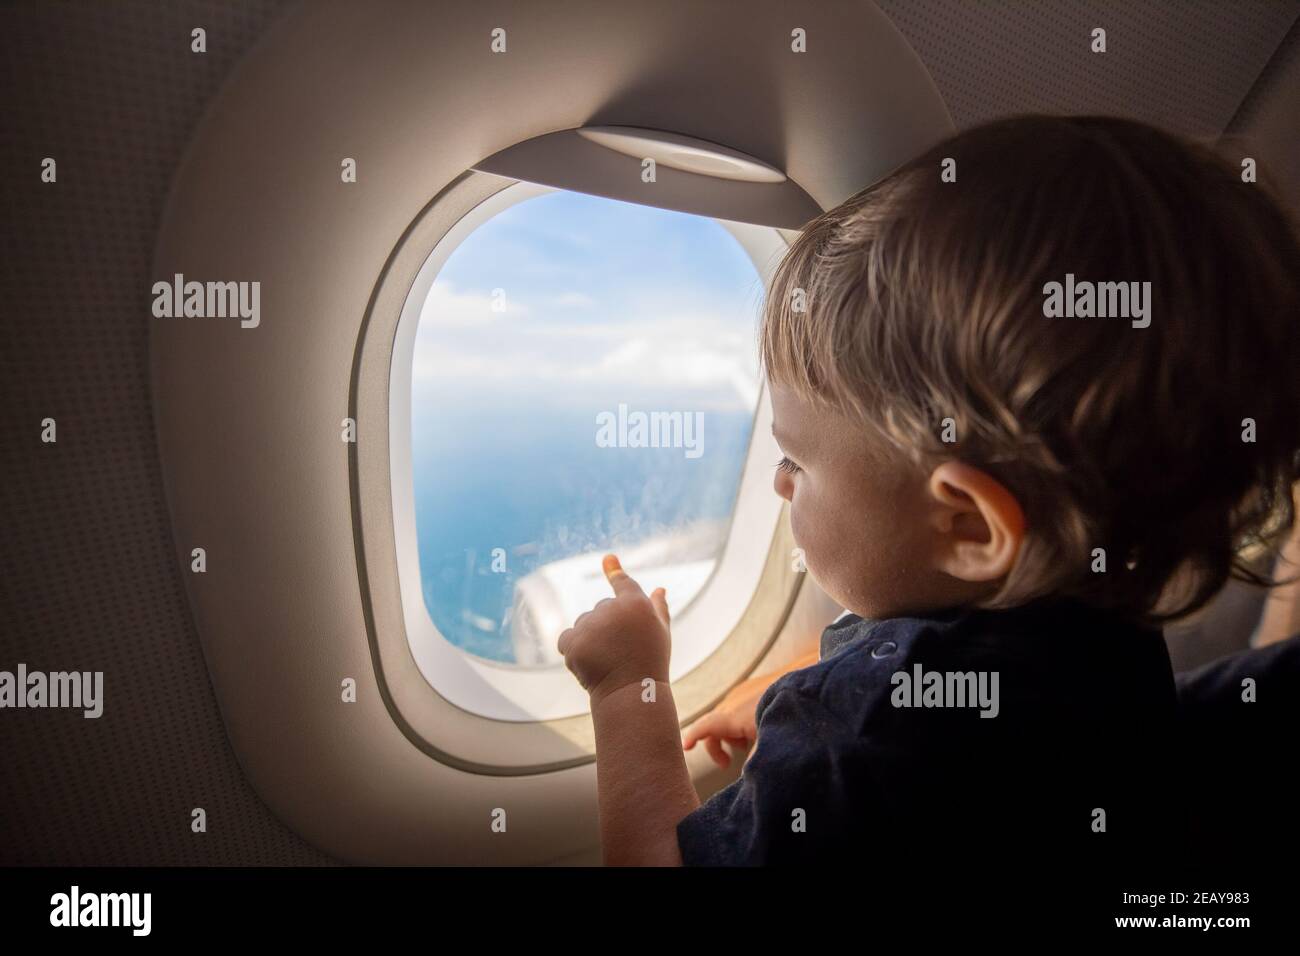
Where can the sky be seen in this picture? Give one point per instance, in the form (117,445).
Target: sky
(605,301)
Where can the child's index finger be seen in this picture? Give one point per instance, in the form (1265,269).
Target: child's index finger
(618,579)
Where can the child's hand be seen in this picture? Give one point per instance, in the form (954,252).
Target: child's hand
(622,640)
(732,720)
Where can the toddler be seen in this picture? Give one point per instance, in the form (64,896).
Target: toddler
(1036,390)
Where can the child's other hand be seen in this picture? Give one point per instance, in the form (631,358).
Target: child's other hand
(732,720)
(620,641)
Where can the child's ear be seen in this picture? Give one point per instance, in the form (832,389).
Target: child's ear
(979,523)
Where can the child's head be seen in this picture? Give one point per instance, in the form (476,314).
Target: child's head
(959,442)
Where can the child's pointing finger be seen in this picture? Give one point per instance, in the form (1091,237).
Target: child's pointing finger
(623,583)
(618,579)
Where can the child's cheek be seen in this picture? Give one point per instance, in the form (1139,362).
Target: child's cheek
(803,527)
(796,524)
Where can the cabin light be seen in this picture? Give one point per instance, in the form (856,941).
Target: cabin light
(683,152)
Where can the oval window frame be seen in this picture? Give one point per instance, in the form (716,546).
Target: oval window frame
(437,698)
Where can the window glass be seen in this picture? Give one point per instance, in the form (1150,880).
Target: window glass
(562,341)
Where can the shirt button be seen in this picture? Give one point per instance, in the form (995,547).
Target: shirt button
(883,650)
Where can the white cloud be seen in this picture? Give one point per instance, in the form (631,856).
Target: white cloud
(574,300)
(447,308)
(701,353)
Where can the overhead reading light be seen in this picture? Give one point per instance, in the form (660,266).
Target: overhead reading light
(683,152)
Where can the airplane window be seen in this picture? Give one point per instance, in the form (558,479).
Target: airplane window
(585,380)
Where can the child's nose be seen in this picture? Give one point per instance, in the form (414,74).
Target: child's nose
(783,484)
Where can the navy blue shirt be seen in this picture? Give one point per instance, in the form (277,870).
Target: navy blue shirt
(882,746)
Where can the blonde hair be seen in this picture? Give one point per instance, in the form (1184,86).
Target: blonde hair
(918,301)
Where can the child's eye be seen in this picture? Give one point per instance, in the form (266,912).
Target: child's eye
(786,465)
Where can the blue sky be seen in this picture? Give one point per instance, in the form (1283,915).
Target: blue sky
(607,301)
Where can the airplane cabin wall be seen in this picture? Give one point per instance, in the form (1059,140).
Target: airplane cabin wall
(89,577)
